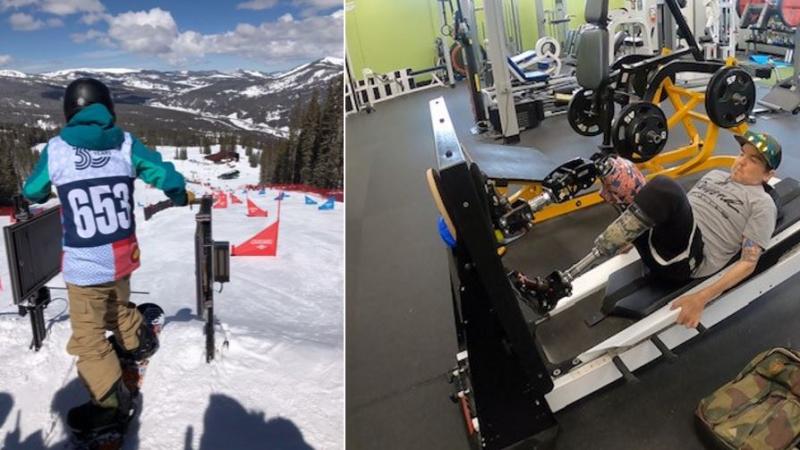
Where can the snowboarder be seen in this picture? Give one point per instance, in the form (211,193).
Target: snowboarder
(93,163)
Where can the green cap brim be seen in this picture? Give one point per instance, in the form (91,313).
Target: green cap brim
(741,139)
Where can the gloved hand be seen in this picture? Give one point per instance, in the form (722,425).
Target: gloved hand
(191,199)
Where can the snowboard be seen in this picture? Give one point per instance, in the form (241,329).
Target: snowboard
(133,371)
(112,436)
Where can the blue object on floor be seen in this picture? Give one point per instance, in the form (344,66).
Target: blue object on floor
(444,233)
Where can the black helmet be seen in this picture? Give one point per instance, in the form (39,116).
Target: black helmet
(84,92)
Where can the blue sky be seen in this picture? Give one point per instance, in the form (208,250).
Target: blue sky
(269,35)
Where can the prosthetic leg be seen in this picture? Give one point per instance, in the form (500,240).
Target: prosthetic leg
(620,181)
(543,294)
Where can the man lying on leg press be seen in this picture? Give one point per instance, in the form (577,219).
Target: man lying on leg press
(687,235)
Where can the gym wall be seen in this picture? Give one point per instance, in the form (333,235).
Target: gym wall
(386,35)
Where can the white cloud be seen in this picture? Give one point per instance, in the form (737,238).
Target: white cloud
(186,46)
(282,40)
(257,4)
(319,4)
(80,38)
(313,7)
(92,18)
(8,4)
(25,22)
(150,32)
(156,33)
(308,5)
(67,7)
(5,59)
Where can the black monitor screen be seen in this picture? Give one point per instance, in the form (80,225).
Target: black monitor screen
(34,252)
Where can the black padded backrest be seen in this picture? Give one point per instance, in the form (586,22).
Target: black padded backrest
(775,198)
(596,12)
(786,194)
(592,66)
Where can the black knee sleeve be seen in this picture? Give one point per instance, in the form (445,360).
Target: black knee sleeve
(661,198)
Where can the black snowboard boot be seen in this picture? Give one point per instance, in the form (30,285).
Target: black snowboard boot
(112,410)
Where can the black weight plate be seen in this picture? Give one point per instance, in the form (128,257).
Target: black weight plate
(730,97)
(639,131)
(581,115)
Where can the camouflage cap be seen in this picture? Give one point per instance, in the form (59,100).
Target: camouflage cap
(769,148)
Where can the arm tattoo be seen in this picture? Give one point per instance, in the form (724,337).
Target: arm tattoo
(750,251)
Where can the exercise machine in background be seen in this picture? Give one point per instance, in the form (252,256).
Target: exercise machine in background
(784,95)
(721,29)
(632,29)
(538,85)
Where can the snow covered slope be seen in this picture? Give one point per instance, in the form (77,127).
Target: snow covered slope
(278,384)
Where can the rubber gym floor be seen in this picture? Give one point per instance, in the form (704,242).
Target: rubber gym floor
(400,338)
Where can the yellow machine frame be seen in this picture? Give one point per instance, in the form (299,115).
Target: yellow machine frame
(696,157)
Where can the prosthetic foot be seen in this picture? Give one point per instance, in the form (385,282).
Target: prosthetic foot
(541,294)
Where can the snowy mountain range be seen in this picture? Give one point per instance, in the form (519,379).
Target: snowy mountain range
(204,101)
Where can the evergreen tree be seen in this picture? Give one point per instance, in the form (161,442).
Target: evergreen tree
(312,153)
(308,142)
(9,182)
(253,159)
(287,157)
(266,161)
(328,171)
(282,169)
(205,145)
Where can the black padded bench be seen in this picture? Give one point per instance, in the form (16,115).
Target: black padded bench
(631,292)
(507,163)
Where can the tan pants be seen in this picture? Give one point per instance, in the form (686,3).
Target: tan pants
(92,311)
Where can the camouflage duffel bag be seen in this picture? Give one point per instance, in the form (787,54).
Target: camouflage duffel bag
(760,408)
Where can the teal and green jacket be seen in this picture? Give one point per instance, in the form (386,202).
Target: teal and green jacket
(93,128)
(93,165)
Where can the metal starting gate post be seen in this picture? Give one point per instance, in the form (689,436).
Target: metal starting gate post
(212,263)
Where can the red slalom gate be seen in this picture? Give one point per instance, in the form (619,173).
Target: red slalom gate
(235,199)
(254,211)
(222,200)
(265,243)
